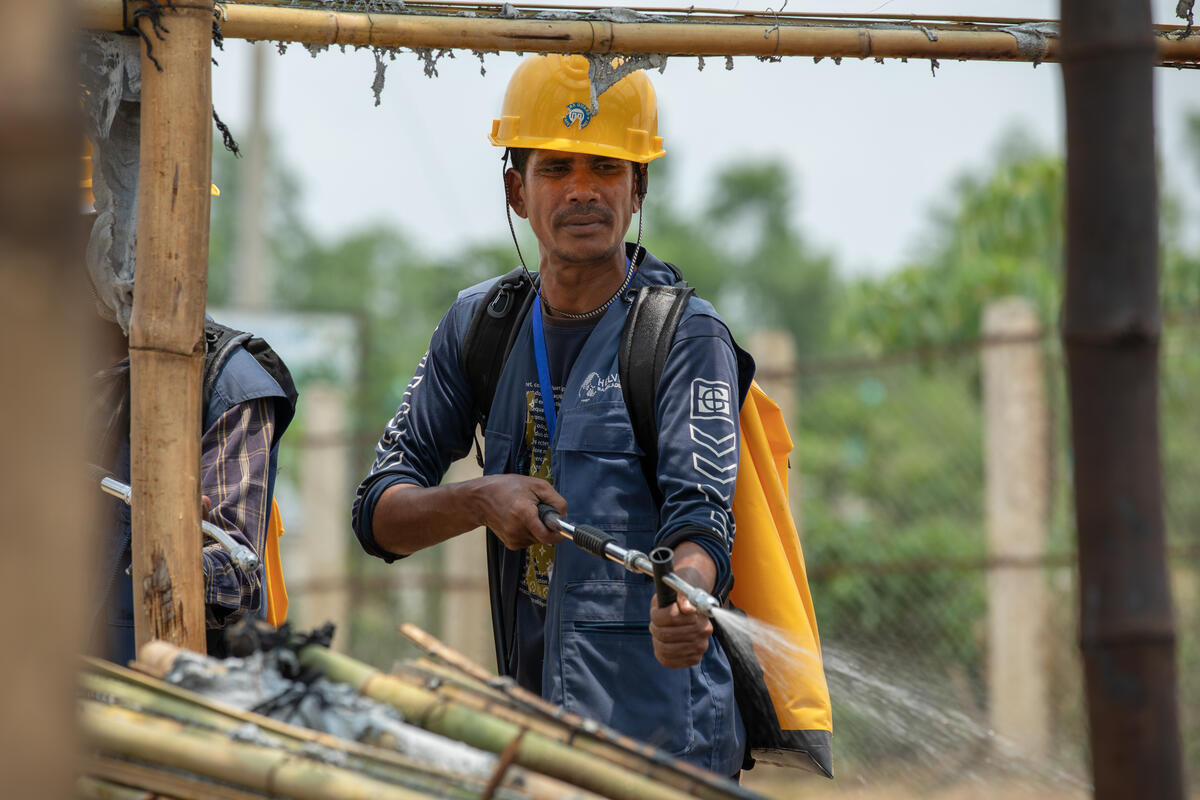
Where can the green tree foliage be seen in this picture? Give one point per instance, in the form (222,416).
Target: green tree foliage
(744,253)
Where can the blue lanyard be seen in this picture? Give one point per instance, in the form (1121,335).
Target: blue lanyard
(543,369)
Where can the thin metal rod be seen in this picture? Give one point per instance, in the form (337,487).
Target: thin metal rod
(242,555)
(634,561)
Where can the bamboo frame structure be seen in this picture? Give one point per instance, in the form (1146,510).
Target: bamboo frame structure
(1111,332)
(166,347)
(768,37)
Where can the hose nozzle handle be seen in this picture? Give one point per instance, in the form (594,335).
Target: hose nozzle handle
(593,540)
(663,559)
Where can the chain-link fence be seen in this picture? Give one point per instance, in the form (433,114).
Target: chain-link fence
(891,453)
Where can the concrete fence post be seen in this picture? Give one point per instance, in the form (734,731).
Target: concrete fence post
(466,605)
(775,358)
(1017,475)
(324,482)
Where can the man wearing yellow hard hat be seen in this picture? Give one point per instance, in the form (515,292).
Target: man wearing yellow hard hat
(548,395)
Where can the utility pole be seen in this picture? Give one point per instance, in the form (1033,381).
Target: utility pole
(252,272)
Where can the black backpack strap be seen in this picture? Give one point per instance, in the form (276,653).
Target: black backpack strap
(645,342)
(490,339)
(219,343)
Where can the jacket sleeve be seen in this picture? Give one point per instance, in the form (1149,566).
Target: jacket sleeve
(431,429)
(697,417)
(234,468)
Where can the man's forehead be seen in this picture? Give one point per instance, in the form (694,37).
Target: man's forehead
(562,156)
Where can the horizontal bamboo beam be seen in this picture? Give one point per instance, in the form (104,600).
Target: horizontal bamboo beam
(712,39)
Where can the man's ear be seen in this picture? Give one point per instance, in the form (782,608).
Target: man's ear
(514,192)
(641,183)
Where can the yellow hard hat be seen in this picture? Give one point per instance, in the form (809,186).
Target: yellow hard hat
(548,107)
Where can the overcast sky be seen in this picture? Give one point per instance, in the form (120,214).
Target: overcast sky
(871,147)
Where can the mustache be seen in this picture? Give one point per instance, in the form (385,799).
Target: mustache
(590,210)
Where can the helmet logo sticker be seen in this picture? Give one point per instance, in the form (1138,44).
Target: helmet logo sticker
(580,112)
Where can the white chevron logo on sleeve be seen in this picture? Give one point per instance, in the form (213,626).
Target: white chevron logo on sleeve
(712,493)
(712,442)
(713,471)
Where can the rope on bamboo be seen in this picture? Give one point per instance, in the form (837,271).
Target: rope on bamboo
(502,764)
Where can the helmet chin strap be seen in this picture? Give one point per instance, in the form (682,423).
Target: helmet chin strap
(633,262)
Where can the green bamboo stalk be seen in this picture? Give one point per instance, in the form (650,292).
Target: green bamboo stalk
(380,763)
(91,788)
(515,704)
(571,729)
(212,755)
(452,719)
(139,692)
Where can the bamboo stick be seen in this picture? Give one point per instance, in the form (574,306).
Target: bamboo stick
(166,330)
(130,734)
(100,789)
(572,731)
(473,688)
(783,37)
(441,715)
(140,693)
(160,782)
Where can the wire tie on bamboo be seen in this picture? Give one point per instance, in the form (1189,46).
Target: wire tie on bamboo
(502,764)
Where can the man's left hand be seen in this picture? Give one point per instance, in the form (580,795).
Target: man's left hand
(680,633)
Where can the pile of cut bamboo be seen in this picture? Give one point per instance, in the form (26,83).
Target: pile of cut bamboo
(149,738)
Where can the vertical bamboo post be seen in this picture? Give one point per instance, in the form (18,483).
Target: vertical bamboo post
(44,535)
(166,330)
(1111,328)
(775,354)
(1016,431)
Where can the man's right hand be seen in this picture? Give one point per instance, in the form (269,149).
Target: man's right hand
(508,507)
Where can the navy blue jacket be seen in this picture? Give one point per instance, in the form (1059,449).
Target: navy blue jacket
(598,657)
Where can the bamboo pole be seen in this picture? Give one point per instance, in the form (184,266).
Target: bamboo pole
(532,750)
(166,330)
(777,38)
(466,682)
(46,534)
(130,734)
(100,789)
(135,691)
(1111,332)
(161,783)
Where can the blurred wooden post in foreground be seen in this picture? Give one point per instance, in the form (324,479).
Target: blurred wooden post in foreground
(166,345)
(1111,329)
(45,536)
(1018,503)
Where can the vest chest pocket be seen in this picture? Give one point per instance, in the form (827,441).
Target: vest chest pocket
(598,468)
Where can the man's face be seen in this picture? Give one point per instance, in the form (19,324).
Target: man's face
(579,206)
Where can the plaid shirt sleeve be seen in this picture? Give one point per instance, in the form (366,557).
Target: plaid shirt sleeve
(234,464)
